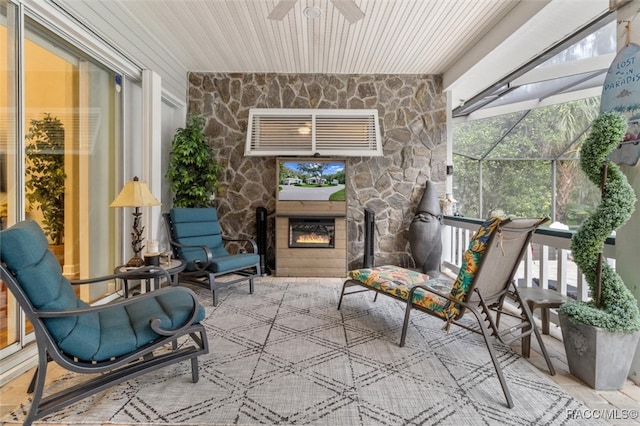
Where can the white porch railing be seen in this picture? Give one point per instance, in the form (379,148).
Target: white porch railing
(547,265)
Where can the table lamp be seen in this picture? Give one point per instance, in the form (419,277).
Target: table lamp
(135,194)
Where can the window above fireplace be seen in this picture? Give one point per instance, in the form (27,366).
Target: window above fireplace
(324,132)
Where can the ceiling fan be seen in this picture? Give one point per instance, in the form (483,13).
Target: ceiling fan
(348,8)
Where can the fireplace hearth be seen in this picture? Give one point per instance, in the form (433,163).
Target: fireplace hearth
(311,232)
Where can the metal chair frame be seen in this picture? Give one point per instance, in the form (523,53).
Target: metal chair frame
(482,306)
(115,370)
(204,277)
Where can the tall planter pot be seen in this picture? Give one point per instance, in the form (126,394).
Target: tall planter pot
(600,358)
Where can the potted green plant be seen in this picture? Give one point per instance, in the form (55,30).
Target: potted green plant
(601,336)
(46,174)
(193,170)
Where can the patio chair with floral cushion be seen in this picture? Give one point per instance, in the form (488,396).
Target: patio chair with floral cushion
(484,281)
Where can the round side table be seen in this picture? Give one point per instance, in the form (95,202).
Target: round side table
(173,269)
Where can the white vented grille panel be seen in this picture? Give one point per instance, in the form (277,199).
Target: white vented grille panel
(280,133)
(346,132)
(313,132)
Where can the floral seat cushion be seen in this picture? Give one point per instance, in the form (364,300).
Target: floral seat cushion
(398,282)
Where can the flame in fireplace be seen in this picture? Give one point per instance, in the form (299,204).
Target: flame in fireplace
(313,238)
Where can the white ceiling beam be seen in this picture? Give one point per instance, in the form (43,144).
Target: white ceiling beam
(548,22)
(597,63)
(518,17)
(529,104)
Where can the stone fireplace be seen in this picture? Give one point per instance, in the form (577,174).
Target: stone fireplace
(412,113)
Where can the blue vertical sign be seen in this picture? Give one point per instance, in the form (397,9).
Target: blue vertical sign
(621,92)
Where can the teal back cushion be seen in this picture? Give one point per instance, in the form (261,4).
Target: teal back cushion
(95,336)
(197,227)
(26,254)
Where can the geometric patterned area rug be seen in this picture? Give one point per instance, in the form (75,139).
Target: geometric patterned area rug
(286,356)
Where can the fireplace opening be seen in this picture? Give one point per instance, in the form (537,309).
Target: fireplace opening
(312,232)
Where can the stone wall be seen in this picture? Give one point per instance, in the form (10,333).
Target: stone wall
(413,127)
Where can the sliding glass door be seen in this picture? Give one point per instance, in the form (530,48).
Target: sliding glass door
(10,329)
(70,144)
(61,171)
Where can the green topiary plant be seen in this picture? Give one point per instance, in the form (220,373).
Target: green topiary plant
(193,170)
(613,308)
(45,186)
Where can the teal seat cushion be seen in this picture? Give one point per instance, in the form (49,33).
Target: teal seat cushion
(95,336)
(234,262)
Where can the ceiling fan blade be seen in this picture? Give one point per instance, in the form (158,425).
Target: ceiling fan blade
(349,10)
(281,9)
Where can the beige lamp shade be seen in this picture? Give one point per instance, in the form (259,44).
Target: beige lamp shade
(135,194)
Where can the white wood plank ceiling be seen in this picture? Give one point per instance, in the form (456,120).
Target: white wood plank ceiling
(394,36)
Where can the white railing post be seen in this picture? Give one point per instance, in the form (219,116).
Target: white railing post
(544,266)
(583,288)
(528,267)
(447,244)
(563,285)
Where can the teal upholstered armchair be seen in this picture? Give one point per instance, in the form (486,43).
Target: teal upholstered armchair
(196,237)
(119,340)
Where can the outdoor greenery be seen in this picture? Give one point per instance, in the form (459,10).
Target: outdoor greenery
(516,153)
(193,170)
(311,170)
(338,196)
(617,309)
(46,174)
